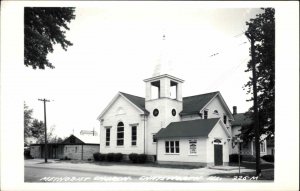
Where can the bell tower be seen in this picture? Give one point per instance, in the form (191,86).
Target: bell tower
(163,100)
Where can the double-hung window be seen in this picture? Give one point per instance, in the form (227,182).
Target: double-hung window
(120,134)
(107,139)
(133,135)
(172,147)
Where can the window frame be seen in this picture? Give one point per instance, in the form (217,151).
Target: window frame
(262,147)
(120,140)
(154,140)
(133,141)
(172,147)
(107,138)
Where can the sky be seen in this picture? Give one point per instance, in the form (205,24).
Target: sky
(117,46)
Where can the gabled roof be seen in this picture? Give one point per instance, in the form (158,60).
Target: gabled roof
(193,128)
(241,119)
(72,140)
(193,104)
(138,101)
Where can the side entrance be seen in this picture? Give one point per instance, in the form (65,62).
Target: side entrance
(218,155)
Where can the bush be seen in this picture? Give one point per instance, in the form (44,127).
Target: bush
(110,157)
(234,158)
(67,158)
(99,156)
(96,156)
(117,157)
(27,154)
(133,157)
(268,158)
(248,158)
(142,158)
(102,157)
(138,158)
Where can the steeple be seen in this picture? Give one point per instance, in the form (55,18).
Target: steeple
(163,65)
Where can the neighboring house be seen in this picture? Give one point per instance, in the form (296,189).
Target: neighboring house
(248,148)
(167,127)
(72,147)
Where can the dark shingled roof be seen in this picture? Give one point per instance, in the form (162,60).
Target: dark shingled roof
(193,128)
(193,104)
(241,119)
(138,101)
(74,141)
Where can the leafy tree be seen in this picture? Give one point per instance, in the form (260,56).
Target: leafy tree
(45,26)
(50,136)
(262,29)
(38,128)
(27,122)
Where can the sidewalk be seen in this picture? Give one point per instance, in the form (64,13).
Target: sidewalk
(130,170)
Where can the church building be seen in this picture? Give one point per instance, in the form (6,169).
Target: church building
(166,126)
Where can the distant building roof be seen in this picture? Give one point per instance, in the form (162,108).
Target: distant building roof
(193,128)
(72,140)
(138,101)
(241,119)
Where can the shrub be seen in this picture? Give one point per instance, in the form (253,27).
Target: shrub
(96,156)
(110,157)
(27,154)
(248,158)
(133,157)
(234,158)
(138,158)
(102,157)
(142,158)
(268,158)
(67,158)
(117,157)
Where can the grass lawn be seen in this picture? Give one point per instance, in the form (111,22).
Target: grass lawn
(267,171)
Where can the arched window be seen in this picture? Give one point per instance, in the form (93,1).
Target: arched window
(120,134)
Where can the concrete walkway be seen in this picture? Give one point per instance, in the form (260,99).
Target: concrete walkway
(131,170)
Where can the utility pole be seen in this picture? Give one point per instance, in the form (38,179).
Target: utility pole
(256,117)
(45,123)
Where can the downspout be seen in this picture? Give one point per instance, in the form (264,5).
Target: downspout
(156,149)
(144,133)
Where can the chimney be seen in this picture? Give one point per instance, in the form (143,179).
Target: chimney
(234,110)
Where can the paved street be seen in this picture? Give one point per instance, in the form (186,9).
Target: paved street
(66,171)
